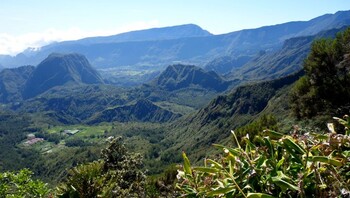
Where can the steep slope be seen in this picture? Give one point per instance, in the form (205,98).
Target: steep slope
(194,50)
(60,69)
(177,77)
(11,82)
(213,123)
(287,60)
(144,111)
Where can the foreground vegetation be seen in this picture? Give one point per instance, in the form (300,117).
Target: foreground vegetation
(21,184)
(274,165)
(270,164)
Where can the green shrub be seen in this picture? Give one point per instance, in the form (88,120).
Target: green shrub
(296,165)
(21,184)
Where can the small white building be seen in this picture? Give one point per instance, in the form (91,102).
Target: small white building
(71,132)
(30,136)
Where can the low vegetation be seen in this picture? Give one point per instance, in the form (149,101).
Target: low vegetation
(294,165)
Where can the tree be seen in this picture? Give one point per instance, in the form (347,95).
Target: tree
(325,87)
(117,174)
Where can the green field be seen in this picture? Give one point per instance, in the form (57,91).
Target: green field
(84,130)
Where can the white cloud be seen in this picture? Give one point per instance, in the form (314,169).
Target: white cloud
(12,45)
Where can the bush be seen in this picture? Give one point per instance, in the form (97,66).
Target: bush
(20,184)
(296,165)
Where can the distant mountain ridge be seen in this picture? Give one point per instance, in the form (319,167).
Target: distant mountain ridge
(164,33)
(60,69)
(287,60)
(196,50)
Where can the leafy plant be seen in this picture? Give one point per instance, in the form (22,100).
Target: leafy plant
(278,165)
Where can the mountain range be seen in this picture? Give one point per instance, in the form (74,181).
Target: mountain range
(59,83)
(186,44)
(65,88)
(68,89)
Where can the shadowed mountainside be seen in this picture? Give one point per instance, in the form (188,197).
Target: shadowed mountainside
(12,81)
(60,69)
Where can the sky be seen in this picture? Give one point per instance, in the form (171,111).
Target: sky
(34,23)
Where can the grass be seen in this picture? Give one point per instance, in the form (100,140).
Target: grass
(137,135)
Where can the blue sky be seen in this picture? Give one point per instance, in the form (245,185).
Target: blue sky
(33,23)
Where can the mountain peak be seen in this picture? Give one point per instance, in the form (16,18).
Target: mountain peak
(182,76)
(59,69)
